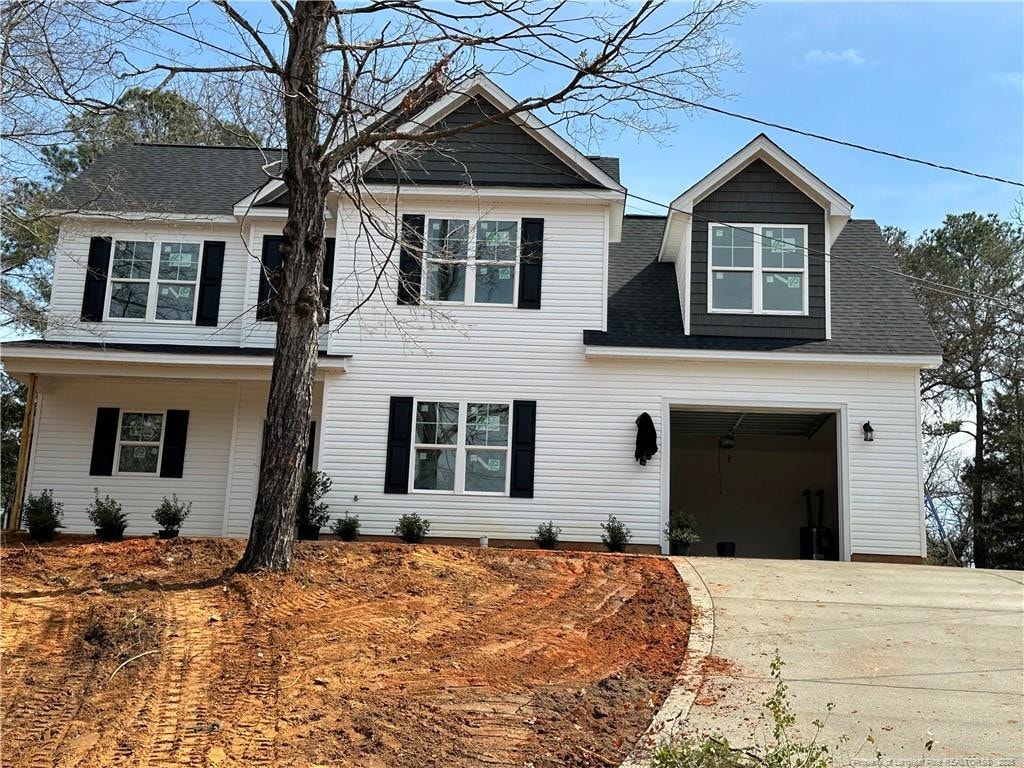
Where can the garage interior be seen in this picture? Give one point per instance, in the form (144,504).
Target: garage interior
(754,479)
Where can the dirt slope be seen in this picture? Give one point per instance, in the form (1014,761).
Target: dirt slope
(366,655)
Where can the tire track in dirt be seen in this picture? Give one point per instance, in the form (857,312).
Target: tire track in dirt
(370,656)
(36,723)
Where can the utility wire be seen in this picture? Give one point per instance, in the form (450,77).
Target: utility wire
(932,285)
(678,100)
(823,137)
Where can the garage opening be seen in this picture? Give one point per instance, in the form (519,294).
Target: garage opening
(762,483)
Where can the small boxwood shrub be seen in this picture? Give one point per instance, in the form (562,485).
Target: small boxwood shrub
(313,514)
(412,528)
(172,513)
(616,534)
(346,528)
(108,518)
(546,536)
(42,515)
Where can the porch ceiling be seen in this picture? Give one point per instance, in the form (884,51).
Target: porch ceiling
(750,423)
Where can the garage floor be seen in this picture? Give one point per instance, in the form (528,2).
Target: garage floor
(909,655)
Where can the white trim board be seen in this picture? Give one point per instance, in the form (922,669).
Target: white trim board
(115,362)
(598,352)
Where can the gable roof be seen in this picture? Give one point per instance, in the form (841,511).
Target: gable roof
(167,178)
(481,88)
(501,153)
(837,208)
(873,312)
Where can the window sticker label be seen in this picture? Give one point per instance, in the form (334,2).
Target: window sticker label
(504,273)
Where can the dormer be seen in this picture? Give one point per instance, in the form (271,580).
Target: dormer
(751,243)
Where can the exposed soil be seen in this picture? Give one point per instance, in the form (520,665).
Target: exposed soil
(374,655)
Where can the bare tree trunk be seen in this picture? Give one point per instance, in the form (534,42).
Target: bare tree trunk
(298,301)
(978,477)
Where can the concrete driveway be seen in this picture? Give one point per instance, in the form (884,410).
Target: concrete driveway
(912,656)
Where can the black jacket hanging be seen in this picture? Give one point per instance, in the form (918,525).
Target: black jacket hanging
(646,438)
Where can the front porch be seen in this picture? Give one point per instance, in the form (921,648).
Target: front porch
(81,439)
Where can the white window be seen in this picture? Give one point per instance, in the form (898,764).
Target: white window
(139,440)
(461,447)
(757,269)
(463,270)
(154,281)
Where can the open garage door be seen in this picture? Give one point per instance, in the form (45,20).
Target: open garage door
(764,483)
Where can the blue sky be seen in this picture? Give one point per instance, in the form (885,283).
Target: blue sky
(939,81)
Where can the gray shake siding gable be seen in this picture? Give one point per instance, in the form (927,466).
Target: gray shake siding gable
(498,154)
(758,195)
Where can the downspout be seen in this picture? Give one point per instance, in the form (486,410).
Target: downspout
(24,454)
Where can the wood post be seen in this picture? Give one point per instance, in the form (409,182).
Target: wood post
(24,452)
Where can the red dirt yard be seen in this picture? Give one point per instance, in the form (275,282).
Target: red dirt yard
(374,655)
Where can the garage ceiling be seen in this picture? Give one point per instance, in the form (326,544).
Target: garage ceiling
(740,423)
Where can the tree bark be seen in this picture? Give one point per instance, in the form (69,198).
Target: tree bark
(298,301)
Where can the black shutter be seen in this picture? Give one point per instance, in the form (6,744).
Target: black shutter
(172,461)
(328,276)
(209,282)
(409,268)
(531,263)
(396,474)
(96,280)
(271,262)
(311,445)
(104,441)
(524,437)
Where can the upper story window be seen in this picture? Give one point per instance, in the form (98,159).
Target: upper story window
(153,281)
(758,269)
(461,447)
(462,269)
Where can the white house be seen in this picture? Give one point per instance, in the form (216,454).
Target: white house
(492,380)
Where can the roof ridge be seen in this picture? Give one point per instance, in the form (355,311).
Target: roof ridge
(206,146)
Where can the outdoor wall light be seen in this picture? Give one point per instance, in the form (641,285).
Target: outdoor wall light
(869,432)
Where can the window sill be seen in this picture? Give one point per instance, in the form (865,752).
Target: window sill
(763,313)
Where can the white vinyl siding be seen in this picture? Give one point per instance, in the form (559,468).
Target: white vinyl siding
(63,447)
(586,409)
(236,322)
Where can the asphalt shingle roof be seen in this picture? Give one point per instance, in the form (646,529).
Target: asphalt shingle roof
(873,311)
(168,178)
(178,178)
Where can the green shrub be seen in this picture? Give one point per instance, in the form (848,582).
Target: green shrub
(784,750)
(412,528)
(547,535)
(616,535)
(682,527)
(108,518)
(171,513)
(313,514)
(346,528)
(42,515)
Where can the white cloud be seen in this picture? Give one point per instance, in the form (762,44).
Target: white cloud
(1013,80)
(850,56)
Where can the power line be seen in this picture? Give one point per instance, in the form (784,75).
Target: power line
(687,103)
(935,286)
(829,139)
